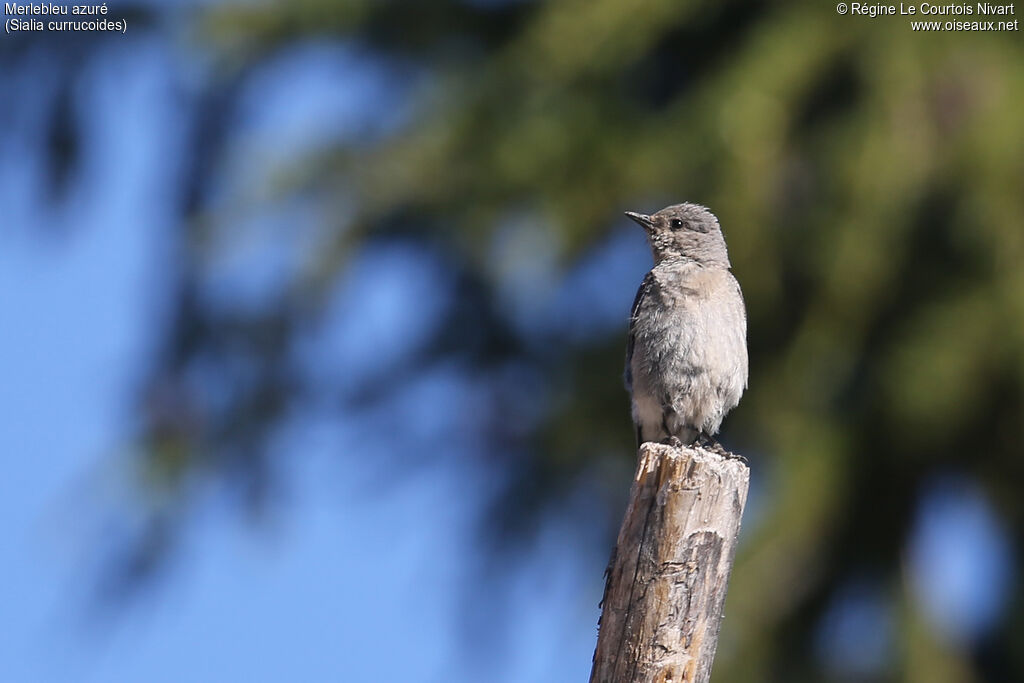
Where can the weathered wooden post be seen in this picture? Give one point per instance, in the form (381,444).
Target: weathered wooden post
(663,601)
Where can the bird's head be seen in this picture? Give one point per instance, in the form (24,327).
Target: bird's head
(686,231)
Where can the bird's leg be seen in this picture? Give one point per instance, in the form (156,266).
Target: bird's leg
(672,440)
(715,445)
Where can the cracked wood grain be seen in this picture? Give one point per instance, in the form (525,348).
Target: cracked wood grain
(666,583)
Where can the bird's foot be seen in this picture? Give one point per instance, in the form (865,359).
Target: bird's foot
(712,444)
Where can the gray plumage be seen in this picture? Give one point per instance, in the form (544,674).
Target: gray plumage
(686,359)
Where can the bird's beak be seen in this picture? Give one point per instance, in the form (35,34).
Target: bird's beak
(643,219)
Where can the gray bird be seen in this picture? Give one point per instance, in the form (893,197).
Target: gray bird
(686,359)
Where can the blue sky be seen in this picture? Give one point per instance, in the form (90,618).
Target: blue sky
(347,573)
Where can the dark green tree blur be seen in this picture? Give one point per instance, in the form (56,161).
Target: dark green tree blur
(869,182)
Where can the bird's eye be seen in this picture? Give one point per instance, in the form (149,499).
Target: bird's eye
(675,224)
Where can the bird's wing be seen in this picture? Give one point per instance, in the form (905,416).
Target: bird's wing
(743,326)
(643,291)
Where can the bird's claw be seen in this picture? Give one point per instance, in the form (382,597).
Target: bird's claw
(712,444)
